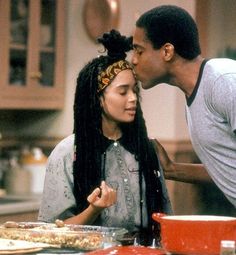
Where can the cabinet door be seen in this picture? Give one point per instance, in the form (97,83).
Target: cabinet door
(32,54)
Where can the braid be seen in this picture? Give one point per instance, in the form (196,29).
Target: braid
(88,127)
(140,145)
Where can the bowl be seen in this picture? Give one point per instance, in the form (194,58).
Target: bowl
(195,234)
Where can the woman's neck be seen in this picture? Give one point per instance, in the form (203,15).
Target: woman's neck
(111,130)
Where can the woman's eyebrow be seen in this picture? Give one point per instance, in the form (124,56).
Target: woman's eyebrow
(122,85)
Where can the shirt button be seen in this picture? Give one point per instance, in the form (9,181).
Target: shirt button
(125,180)
(115,144)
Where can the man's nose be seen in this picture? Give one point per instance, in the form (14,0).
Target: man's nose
(134,59)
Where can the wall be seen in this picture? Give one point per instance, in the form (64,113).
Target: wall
(162,106)
(167,120)
(221,22)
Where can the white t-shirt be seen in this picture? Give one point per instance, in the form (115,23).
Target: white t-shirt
(211,117)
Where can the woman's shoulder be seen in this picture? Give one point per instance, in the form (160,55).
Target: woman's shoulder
(64,147)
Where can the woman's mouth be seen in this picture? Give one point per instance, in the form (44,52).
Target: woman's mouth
(131,110)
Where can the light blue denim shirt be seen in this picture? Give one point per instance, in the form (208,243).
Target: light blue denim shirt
(121,171)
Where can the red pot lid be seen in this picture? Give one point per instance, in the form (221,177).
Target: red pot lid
(128,250)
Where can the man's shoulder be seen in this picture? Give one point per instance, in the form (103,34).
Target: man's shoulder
(221,65)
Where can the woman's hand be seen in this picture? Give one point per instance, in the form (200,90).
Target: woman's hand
(102,197)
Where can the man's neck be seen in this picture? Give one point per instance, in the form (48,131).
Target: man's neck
(185,74)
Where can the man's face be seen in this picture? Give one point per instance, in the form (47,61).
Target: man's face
(148,62)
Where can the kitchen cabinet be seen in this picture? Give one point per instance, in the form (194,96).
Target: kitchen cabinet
(32,54)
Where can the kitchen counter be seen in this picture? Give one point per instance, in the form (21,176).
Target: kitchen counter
(19,208)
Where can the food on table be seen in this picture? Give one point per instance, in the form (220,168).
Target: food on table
(56,234)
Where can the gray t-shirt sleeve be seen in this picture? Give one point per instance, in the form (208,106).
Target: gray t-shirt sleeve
(224,98)
(58,201)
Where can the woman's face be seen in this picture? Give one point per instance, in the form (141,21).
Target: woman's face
(119,99)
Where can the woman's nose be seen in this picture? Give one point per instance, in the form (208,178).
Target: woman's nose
(132,96)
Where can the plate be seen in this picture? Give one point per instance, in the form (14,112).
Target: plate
(8,246)
(127,250)
(20,251)
(100,17)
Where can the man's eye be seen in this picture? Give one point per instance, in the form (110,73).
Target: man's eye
(138,51)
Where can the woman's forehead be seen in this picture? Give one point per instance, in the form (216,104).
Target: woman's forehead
(125,77)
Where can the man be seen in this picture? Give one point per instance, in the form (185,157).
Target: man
(167,50)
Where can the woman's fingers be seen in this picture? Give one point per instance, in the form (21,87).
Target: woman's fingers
(94,196)
(108,195)
(103,197)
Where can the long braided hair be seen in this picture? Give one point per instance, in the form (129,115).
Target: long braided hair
(88,129)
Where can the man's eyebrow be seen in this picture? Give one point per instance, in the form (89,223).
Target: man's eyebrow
(135,46)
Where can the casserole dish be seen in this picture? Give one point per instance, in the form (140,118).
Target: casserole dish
(195,234)
(81,237)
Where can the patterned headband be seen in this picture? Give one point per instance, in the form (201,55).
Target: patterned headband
(106,77)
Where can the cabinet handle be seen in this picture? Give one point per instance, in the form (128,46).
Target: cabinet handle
(36,75)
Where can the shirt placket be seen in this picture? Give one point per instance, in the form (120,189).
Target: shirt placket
(126,183)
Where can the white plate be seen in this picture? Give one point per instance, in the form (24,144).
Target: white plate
(8,246)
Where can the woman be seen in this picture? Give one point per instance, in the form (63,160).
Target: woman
(106,173)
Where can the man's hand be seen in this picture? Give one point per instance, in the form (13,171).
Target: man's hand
(165,161)
(184,172)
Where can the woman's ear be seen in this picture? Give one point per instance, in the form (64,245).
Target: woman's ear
(169,51)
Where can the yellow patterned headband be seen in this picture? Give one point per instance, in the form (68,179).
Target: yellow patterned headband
(106,77)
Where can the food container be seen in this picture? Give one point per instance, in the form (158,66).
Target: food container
(81,237)
(34,161)
(64,237)
(195,234)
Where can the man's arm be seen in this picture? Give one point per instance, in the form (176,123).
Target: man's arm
(184,172)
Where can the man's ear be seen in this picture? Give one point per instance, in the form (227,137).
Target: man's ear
(169,51)
(101,99)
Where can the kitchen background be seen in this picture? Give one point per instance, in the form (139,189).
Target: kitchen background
(39,66)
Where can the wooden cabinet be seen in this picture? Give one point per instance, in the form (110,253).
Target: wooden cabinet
(32,54)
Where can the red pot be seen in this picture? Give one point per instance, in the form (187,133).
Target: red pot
(195,234)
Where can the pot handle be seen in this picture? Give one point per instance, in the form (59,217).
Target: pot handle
(158,216)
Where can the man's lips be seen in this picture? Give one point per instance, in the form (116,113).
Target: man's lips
(137,76)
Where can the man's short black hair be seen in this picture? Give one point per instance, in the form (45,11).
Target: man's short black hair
(171,24)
